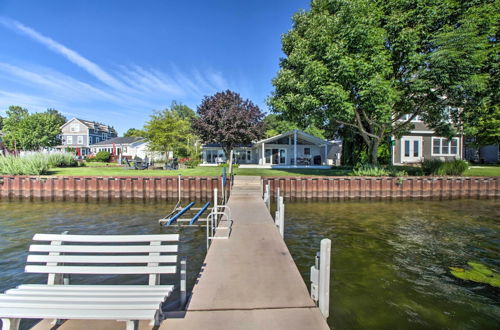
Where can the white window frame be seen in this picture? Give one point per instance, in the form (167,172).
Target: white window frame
(417,118)
(411,158)
(74,127)
(79,139)
(441,146)
(69,139)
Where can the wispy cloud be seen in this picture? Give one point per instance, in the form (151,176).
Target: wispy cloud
(71,55)
(131,87)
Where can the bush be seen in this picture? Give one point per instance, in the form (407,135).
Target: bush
(62,160)
(35,164)
(439,167)
(369,170)
(189,162)
(101,156)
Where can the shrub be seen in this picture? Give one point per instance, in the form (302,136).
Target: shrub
(369,170)
(189,162)
(101,156)
(439,167)
(35,164)
(62,160)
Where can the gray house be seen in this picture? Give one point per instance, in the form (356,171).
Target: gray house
(79,134)
(422,143)
(291,149)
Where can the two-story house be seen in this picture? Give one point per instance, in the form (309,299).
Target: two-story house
(422,143)
(79,134)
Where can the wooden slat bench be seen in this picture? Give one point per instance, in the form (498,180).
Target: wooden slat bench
(95,254)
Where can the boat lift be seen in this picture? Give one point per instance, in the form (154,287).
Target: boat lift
(189,215)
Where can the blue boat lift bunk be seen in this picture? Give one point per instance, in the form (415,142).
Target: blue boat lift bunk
(192,215)
(192,220)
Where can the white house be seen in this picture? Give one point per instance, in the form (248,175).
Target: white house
(129,147)
(291,149)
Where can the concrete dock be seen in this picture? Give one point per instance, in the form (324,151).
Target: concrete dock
(248,281)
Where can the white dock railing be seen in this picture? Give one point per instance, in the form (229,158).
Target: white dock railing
(320,277)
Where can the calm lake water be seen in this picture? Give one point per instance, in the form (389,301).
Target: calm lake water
(390,259)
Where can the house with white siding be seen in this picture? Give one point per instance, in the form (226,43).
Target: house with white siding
(288,150)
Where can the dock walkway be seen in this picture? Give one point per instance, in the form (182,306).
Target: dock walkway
(249,281)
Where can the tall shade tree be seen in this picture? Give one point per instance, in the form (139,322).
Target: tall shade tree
(275,126)
(134,132)
(366,63)
(24,131)
(227,119)
(167,131)
(1,122)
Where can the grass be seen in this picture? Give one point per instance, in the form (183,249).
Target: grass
(216,171)
(483,170)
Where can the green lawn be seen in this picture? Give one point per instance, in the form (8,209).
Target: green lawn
(198,171)
(483,170)
(216,171)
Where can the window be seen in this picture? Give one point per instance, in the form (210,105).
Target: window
(249,155)
(104,136)
(97,139)
(307,151)
(80,139)
(444,147)
(73,127)
(69,140)
(406,117)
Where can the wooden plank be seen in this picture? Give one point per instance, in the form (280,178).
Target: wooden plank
(96,305)
(96,288)
(151,299)
(101,269)
(103,248)
(106,238)
(103,314)
(75,259)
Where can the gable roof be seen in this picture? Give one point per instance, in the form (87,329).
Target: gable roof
(92,125)
(302,134)
(119,140)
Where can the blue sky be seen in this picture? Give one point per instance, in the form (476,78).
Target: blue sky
(117,61)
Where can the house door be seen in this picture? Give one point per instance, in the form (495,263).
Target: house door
(411,149)
(276,156)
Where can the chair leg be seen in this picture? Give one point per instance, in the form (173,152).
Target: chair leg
(10,324)
(132,325)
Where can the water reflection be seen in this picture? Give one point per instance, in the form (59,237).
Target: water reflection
(391,261)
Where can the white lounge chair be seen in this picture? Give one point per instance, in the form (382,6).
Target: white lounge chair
(95,254)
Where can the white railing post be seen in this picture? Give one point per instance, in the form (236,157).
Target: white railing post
(324,277)
(183,275)
(282,217)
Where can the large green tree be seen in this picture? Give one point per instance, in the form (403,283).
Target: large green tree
(25,131)
(366,63)
(275,126)
(168,131)
(134,132)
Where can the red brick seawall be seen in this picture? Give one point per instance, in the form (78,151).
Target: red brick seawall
(106,188)
(384,187)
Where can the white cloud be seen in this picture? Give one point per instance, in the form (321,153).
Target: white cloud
(133,88)
(71,55)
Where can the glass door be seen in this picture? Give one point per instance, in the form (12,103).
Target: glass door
(411,148)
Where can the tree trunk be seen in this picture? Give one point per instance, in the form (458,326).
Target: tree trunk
(374,151)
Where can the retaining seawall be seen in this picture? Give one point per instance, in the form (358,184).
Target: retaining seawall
(107,188)
(166,187)
(384,187)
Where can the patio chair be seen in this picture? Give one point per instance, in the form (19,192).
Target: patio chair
(91,255)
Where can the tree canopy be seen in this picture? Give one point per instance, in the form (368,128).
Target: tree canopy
(134,132)
(228,119)
(275,126)
(25,131)
(169,130)
(364,64)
